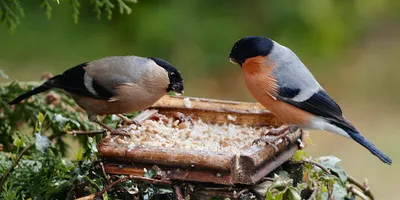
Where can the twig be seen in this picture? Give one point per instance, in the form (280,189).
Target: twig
(74,187)
(330,191)
(237,195)
(104,173)
(80,132)
(315,190)
(357,192)
(218,188)
(314,194)
(268,179)
(127,178)
(178,192)
(364,187)
(109,186)
(313,163)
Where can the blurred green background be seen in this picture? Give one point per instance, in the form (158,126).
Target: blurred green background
(351,46)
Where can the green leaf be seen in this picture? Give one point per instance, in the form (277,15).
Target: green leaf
(330,162)
(105,196)
(276,196)
(67,127)
(150,173)
(19,142)
(292,194)
(3,75)
(41,117)
(92,144)
(339,192)
(79,154)
(283,174)
(299,155)
(324,188)
(302,186)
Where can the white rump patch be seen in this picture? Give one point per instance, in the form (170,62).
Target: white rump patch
(88,81)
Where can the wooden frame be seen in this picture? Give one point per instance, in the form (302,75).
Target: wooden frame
(249,167)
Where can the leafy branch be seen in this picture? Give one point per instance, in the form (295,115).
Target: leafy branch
(11,11)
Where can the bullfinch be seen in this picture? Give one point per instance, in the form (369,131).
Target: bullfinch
(277,78)
(114,85)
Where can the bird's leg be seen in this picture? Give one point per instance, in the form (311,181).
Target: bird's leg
(112,131)
(128,121)
(279,133)
(103,125)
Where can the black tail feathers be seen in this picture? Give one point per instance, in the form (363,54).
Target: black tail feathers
(42,88)
(371,147)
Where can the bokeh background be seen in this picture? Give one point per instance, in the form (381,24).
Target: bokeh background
(351,46)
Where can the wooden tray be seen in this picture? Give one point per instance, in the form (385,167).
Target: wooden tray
(221,168)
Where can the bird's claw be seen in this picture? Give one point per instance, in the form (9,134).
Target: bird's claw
(109,129)
(267,141)
(278,131)
(282,132)
(127,121)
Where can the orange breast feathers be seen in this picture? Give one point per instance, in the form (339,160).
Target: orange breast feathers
(259,78)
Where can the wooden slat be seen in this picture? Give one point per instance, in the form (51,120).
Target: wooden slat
(247,168)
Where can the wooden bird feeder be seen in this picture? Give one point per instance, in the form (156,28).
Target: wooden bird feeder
(248,167)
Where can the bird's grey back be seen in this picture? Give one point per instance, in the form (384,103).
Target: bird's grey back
(115,70)
(290,72)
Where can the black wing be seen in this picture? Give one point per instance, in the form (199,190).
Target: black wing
(319,104)
(73,81)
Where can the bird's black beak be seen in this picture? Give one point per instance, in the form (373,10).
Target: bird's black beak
(232,60)
(177,87)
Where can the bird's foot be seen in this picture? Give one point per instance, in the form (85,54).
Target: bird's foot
(268,141)
(283,132)
(127,121)
(276,134)
(278,131)
(103,125)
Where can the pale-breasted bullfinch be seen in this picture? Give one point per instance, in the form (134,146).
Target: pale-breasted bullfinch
(114,85)
(277,78)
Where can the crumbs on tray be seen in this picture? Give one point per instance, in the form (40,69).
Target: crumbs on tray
(184,133)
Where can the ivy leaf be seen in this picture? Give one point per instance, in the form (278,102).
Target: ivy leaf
(276,196)
(330,162)
(339,192)
(292,194)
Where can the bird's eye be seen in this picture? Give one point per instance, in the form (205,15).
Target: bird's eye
(172,73)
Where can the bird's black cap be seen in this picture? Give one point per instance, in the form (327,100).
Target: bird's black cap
(175,77)
(250,46)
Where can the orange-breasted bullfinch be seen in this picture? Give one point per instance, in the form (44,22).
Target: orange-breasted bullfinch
(278,79)
(114,85)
